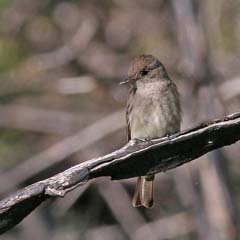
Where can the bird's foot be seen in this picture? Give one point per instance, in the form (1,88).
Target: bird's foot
(140,140)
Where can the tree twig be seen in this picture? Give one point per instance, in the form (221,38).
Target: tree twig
(129,161)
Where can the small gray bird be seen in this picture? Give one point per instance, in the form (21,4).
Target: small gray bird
(153,111)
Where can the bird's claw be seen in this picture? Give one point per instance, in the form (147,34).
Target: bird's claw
(140,140)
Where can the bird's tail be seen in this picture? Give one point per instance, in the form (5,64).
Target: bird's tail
(144,193)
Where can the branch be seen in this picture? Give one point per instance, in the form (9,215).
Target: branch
(61,150)
(134,159)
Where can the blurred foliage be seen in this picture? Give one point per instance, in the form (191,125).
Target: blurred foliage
(11,53)
(19,149)
(5,3)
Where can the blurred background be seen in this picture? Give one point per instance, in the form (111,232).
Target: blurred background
(61,104)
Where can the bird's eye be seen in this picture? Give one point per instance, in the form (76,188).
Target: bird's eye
(143,72)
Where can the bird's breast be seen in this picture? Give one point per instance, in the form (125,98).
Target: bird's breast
(155,113)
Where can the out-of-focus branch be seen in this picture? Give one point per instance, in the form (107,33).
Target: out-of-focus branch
(69,51)
(112,193)
(43,120)
(61,150)
(130,161)
(169,227)
(194,38)
(191,40)
(30,69)
(230,88)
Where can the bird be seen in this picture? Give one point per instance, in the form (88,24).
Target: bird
(153,111)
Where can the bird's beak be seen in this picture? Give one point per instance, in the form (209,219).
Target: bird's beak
(125,81)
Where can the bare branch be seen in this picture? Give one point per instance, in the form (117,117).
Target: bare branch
(130,161)
(61,150)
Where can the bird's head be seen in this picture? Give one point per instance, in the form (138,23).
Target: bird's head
(145,68)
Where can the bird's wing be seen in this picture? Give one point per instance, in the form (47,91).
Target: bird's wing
(128,111)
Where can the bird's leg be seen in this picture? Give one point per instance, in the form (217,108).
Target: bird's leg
(147,139)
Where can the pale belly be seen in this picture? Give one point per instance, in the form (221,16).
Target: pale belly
(155,120)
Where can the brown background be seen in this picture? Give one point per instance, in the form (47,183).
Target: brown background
(60,67)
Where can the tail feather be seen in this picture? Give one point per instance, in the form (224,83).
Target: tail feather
(144,193)
(136,202)
(147,191)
